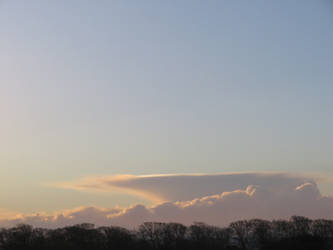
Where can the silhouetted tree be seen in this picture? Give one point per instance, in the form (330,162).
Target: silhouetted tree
(19,237)
(298,233)
(203,236)
(117,238)
(301,226)
(322,228)
(260,233)
(241,230)
(172,235)
(282,229)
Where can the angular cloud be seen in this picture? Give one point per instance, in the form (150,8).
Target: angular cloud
(241,196)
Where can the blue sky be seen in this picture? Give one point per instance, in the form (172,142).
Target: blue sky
(146,87)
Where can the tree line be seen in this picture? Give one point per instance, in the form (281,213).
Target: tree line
(256,234)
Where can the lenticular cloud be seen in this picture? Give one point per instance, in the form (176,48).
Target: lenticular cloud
(214,199)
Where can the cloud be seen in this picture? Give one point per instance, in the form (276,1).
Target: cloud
(7,214)
(162,188)
(241,196)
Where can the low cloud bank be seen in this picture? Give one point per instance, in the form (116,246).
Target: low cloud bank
(189,198)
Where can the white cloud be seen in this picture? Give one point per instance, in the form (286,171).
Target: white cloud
(241,196)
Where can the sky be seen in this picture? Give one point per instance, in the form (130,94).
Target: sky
(126,89)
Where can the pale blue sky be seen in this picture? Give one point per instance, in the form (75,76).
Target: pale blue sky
(144,87)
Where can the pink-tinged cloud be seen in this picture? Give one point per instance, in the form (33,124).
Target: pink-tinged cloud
(269,196)
(7,214)
(162,188)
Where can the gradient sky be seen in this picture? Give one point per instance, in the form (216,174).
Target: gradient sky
(143,87)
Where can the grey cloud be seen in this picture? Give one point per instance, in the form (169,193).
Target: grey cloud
(188,187)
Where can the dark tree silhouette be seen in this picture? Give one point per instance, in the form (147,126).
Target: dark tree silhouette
(117,238)
(203,236)
(241,230)
(256,234)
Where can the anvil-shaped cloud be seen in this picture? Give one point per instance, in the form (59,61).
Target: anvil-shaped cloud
(162,188)
(214,199)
